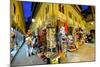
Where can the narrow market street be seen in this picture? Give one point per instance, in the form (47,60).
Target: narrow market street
(51,33)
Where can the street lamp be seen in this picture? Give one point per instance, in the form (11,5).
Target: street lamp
(92,23)
(33,20)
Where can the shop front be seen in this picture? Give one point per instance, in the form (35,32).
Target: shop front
(16,41)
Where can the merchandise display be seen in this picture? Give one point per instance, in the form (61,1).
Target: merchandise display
(51,33)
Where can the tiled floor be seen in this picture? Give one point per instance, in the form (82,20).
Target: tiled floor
(23,59)
(84,53)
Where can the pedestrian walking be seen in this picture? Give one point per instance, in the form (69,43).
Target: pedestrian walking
(29,46)
(33,46)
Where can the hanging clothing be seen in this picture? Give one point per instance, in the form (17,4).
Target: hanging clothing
(66,27)
(40,40)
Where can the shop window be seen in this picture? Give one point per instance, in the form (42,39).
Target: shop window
(47,9)
(75,19)
(70,15)
(60,7)
(14,8)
